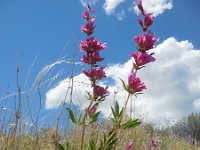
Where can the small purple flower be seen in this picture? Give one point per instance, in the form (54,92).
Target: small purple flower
(96,73)
(92,58)
(88,28)
(154,143)
(139,4)
(135,85)
(91,45)
(148,20)
(129,146)
(92,110)
(86,15)
(100,92)
(142,58)
(146,41)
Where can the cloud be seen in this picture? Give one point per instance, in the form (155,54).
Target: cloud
(121,15)
(156,7)
(110,5)
(173,88)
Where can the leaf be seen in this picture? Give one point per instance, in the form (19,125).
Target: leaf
(95,117)
(131,124)
(114,113)
(71,115)
(79,119)
(92,145)
(124,85)
(117,108)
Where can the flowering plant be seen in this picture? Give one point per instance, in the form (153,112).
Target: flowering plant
(92,48)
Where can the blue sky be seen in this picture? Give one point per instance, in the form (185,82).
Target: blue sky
(40,29)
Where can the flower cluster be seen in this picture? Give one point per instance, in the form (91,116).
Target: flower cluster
(92,47)
(145,42)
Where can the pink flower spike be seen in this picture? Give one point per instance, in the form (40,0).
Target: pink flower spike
(146,41)
(96,73)
(92,58)
(91,45)
(139,4)
(100,92)
(134,84)
(142,58)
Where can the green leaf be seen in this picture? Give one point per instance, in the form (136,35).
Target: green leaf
(121,112)
(95,117)
(71,115)
(79,119)
(117,108)
(131,124)
(114,113)
(92,145)
(124,85)
(90,97)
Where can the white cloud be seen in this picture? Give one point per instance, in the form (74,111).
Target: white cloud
(196,104)
(173,88)
(121,15)
(110,5)
(156,7)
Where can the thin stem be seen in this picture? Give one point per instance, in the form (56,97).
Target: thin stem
(84,119)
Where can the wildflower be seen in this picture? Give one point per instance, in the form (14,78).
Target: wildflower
(154,143)
(134,84)
(88,28)
(148,20)
(86,15)
(129,146)
(146,41)
(91,45)
(92,58)
(92,110)
(100,92)
(96,73)
(142,58)
(139,4)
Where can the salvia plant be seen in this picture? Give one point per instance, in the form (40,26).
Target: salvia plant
(91,47)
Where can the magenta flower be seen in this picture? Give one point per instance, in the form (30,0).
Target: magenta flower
(100,92)
(129,146)
(154,143)
(88,28)
(92,58)
(142,58)
(146,41)
(92,110)
(139,4)
(96,73)
(86,15)
(148,20)
(134,84)
(91,45)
